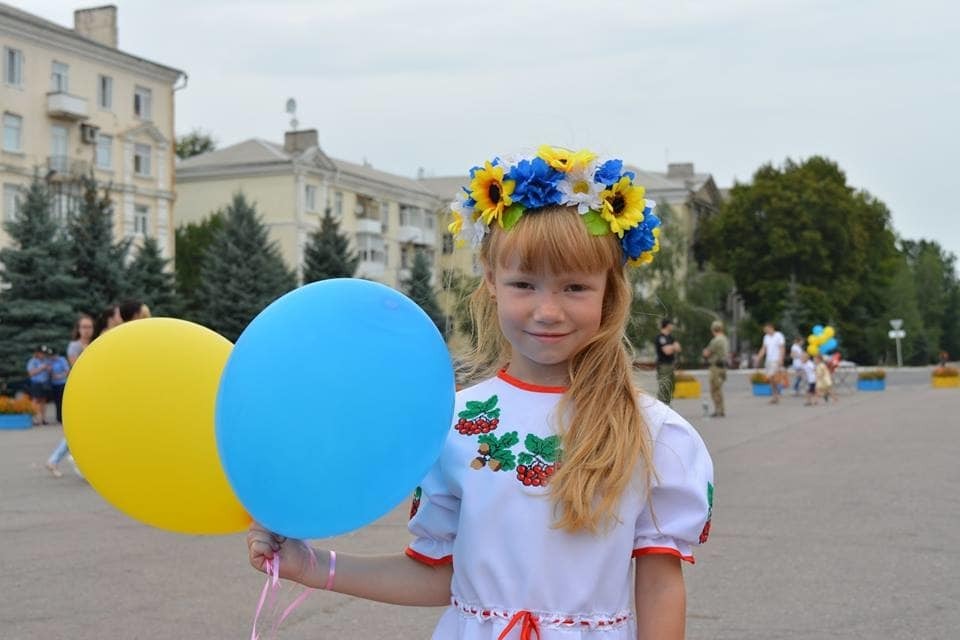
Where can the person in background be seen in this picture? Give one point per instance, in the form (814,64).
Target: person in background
(771,353)
(59,368)
(809,370)
(824,381)
(796,356)
(83,330)
(716,355)
(667,350)
(38,368)
(132,310)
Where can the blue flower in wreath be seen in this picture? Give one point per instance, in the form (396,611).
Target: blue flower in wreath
(609,172)
(536,183)
(641,238)
(468,201)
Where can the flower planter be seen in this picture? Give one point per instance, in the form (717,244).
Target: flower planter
(16,420)
(945,382)
(871,385)
(686,389)
(762,389)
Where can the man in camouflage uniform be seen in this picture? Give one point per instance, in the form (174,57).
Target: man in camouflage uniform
(716,355)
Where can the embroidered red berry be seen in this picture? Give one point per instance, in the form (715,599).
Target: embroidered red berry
(478,417)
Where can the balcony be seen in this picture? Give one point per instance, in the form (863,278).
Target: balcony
(69,107)
(370,269)
(416,234)
(369,225)
(65,168)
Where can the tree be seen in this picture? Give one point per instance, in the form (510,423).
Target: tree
(327,254)
(804,224)
(241,272)
(94,258)
(38,295)
(191,242)
(150,280)
(418,288)
(194,143)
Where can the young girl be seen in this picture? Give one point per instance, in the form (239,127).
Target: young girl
(80,338)
(559,481)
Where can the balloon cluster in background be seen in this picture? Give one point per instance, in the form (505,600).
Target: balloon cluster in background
(822,341)
(331,407)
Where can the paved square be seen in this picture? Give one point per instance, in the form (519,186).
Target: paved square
(836,521)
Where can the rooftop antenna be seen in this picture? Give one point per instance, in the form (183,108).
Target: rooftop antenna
(292,110)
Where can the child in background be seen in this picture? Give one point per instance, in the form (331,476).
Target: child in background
(809,370)
(38,369)
(585,490)
(824,380)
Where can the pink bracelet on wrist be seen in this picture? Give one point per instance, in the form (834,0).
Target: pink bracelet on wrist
(333,570)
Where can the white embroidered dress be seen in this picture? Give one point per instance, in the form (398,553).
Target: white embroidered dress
(510,566)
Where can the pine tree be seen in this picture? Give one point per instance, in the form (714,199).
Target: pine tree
(328,255)
(241,272)
(95,259)
(38,295)
(149,280)
(418,288)
(192,241)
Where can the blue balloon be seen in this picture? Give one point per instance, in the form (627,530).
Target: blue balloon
(817,329)
(828,346)
(334,403)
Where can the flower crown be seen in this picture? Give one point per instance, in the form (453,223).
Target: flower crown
(605,196)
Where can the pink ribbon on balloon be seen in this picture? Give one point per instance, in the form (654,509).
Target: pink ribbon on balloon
(268,595)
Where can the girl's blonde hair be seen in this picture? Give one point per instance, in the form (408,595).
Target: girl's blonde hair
(602,430)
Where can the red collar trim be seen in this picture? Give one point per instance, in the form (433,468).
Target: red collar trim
(526,386)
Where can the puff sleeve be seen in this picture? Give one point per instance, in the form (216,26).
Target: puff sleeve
(682,491)
(434,517)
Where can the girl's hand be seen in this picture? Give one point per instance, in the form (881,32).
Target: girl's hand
(262,545)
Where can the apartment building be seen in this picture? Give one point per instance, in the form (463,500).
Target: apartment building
(388,218)
(73,104)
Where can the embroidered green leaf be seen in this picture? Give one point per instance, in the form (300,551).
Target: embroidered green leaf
(551,448)
(494,413)
(490,440)
(525,459)
(473,405)
(596,225)
(490,404)
(534,444)
(508,462)
(509,439)
(469,414)
(511,215)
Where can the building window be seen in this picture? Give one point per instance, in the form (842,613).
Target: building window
(104,151)
(447,244)
(59,77)
(141,217)
(310,197)
(11,201)
(428,219)
(338,204)
(141,159)
(13,66)
(142,99)
(410,216)
(105,92)
(385,215)
(12,132)
(59,152)
(371,248)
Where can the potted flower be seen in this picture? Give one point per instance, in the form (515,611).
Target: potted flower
(685,385)
(16,413)
(760,384)
(871,380)
(945,377)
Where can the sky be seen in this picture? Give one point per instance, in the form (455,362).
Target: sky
(729,85)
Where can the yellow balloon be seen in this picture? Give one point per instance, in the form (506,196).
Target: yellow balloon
(813,349)
(138,414)
(827,333)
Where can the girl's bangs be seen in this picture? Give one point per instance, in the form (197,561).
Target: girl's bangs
(554,240)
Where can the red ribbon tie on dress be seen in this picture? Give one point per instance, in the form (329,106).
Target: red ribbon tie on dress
(529,624)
